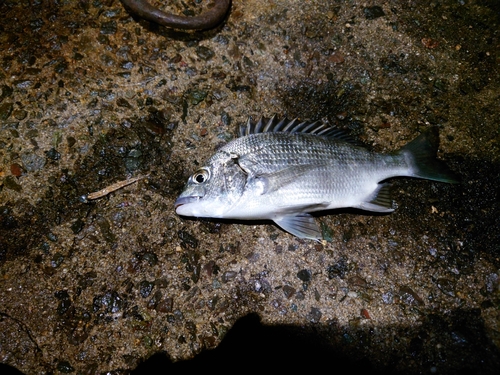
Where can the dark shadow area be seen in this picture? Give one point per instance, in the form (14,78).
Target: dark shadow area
(9,370)
(453,344)
(255,347)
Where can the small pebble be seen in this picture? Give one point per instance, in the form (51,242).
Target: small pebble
(304,275)
(204,53)
(373,12)
(16,169)
(5,111)
(314,315)
(10,182)
(20,114)
(288,291)
(145,288)
(336,58)
(430,43)
(365,314)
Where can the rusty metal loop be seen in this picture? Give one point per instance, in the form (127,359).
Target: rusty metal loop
(206,20)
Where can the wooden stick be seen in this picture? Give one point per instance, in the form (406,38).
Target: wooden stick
(111,188)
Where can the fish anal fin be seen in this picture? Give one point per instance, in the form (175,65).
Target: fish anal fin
(301,225)
(380,200)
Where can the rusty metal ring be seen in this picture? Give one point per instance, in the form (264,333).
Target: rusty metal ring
(206,20)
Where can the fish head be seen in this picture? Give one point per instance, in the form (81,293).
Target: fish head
(213,189)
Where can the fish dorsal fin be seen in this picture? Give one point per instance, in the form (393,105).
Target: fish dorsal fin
(275,124)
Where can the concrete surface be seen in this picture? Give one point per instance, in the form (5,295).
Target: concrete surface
(91,96)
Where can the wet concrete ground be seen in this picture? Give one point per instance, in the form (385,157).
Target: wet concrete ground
(91,96)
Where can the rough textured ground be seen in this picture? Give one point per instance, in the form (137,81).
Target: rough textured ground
(91,96)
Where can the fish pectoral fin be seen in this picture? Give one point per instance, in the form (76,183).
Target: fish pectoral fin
(301,225)
(274,181)
(380,200)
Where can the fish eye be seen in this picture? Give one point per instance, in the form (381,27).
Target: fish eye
(201,176)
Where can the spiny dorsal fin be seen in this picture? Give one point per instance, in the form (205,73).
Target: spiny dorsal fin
(275,124)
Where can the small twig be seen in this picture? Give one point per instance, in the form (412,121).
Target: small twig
(111,188)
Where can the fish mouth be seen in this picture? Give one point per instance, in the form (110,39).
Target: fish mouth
(185,200)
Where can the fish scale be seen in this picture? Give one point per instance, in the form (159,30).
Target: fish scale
(283,176)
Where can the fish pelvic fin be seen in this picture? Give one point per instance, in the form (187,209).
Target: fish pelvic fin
(301,225)
(421,156)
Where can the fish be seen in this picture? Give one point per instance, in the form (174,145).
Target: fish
(283,170)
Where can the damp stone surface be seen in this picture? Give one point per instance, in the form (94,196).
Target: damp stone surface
(91,95)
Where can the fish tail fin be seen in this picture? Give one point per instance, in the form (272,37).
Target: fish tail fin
(421,156)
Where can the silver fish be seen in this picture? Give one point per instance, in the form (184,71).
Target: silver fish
(282,170)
